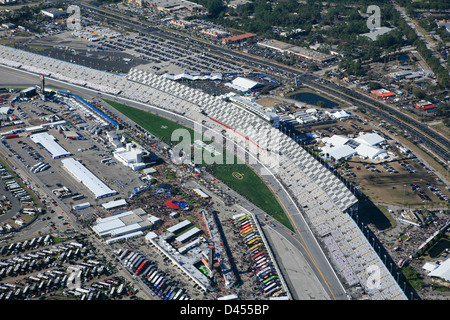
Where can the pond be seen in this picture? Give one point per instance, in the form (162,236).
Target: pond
(439,247)
(312,99)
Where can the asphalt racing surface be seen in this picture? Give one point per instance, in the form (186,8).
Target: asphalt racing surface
(306,247)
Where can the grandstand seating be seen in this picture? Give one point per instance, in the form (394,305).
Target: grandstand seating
(322,197)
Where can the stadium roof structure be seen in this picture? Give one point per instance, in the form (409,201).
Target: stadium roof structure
(87,178)
(49,143)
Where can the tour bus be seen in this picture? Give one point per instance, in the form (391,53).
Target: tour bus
(152,274)
(269,279)
(250,237)
(178,294)
(253,240)
(256,246)
(248,230)
(36,165)
(258,255)
(274,290)
(270,287)
(242,218)
(245,226)
(38,168)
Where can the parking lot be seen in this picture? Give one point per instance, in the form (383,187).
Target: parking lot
(90,148)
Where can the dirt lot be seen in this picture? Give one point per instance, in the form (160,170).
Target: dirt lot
(395,188)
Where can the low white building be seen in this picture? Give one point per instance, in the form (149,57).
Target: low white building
(340,152)
(87,178)
(114,139)
(48,142)
(128,222)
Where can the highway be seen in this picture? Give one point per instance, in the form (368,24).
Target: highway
(303,240)
(433,140)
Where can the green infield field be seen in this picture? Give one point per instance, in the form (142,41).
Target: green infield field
(239,177)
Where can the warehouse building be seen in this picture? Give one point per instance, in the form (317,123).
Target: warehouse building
(188,235)
(110,205)
(179,226)
(120,225)
(87,178)
(54,13)
(300,52)
(48,142)
(238,38)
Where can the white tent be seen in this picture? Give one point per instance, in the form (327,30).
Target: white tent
(366,151)
(242,84)
(371,139)
(339,152)
(336,140)
(442,271)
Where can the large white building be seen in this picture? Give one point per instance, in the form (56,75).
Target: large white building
(130,156)
(48,142)
(87,178)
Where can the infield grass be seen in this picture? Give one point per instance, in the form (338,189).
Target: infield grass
(251,186)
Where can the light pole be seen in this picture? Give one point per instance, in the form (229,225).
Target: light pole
(404,192)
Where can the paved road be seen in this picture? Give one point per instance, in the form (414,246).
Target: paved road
(303,240)
(435,141)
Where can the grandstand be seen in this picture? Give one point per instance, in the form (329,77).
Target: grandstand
(325,201)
